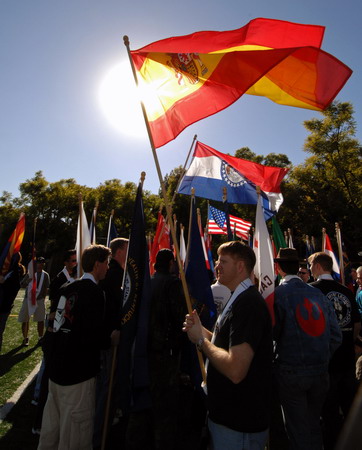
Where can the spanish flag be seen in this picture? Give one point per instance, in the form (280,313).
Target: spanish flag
(13,245)
(185,79)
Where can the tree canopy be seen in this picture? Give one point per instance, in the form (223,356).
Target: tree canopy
(324,189)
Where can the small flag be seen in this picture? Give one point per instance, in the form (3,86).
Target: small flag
(13,245)
(92,226)
(83,238)
(327,248)
(161,239)
(217,223)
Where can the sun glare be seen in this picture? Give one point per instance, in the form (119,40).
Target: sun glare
(119,101)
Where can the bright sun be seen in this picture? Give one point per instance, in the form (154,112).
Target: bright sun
(120,102)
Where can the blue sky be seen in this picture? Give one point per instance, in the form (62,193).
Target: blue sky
(54,56)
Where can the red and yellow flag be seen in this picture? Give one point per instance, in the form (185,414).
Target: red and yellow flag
(13,245)
(187,78)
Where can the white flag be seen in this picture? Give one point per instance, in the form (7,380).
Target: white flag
(264,267)
(182,246)
(86,239)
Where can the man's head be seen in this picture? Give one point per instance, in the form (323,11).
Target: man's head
(164,260)
(70,260)
(359,276)
(119,248)
(95,260)
(320,263)
(304,273)
(40,263)
(235,263)
(287,261)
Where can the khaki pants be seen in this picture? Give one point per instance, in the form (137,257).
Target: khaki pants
(68,417)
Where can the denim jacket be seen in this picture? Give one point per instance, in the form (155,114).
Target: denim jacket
(306,329)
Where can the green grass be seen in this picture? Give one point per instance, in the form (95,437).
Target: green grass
(16,363)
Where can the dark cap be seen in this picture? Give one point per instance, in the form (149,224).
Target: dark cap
(287,255)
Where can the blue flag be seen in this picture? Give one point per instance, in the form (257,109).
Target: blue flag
(197,276)
(135,317)
(211,171)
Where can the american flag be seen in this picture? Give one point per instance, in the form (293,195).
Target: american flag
(217,224)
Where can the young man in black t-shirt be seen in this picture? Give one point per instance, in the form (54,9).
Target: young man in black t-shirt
(239,354)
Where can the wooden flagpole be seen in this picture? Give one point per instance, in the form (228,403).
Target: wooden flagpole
(323,239)
(183,169)
(340,252)
(167,203)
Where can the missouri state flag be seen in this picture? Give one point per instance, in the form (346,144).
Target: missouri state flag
(187,78)
(210,171)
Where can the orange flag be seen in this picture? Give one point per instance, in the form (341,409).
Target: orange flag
(13,245)
(187,78)
(161,240)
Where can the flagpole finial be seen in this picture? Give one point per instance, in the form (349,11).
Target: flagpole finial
(192,192)
(142,179)
(258,190)
(126,40)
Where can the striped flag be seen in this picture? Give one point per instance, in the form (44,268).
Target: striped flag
(217,224)
(192,77)
(327,248)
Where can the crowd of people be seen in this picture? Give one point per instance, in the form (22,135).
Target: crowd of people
(285,381)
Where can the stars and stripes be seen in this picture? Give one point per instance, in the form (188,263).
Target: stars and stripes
(217,224)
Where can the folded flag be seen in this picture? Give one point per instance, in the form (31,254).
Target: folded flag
(187,78)
(217,224)
(210,171)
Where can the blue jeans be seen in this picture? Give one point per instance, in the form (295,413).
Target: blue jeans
(302,397)
(223,438)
